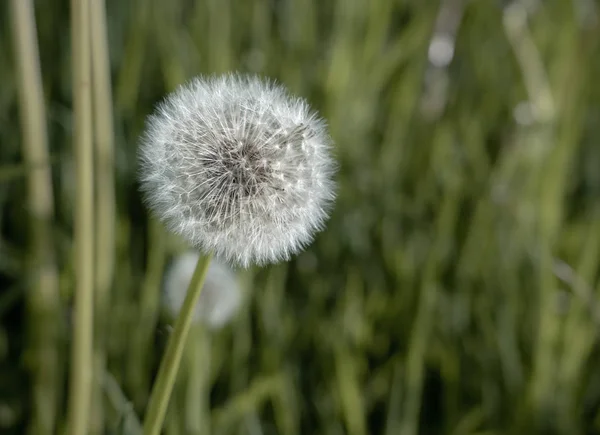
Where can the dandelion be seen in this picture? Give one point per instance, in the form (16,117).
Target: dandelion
(221,295)
(239,168)
(242,170)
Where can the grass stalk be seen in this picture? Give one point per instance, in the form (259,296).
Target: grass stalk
(139,358)
(167,372)
(352,402)
(43,301)
(82,347)
(121,407)
(105,193)
(197,390)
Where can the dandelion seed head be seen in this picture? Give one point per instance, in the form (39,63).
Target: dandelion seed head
(221,295)
(238,167)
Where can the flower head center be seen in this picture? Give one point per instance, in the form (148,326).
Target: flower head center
(244,167)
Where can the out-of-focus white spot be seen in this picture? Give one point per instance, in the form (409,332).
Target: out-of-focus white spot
(441,50)
(523,113)
(221,295)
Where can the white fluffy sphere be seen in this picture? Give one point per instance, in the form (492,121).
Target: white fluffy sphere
(221,295)
(239,168)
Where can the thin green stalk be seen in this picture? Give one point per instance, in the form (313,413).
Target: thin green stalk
(43,300)
(544,110)
(392,423)
(167,372)
(348,385)
(82,348)
(128,80)
(139,357)
(414,373)
(243,406)
(220,56)
(105,195)
(122,408)
(197,405)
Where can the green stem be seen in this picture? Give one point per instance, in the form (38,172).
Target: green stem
(161,392)
(82,362)
(43,297)
(105,198)
(197,410)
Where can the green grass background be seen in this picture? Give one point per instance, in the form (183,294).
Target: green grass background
(454,290)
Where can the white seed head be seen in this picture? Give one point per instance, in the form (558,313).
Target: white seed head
(238,167)
(221,295)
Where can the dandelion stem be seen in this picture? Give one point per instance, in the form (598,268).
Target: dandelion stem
(161,392)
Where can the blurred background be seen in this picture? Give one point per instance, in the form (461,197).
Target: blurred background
(455,288)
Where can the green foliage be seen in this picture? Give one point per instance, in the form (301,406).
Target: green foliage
(454,289)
